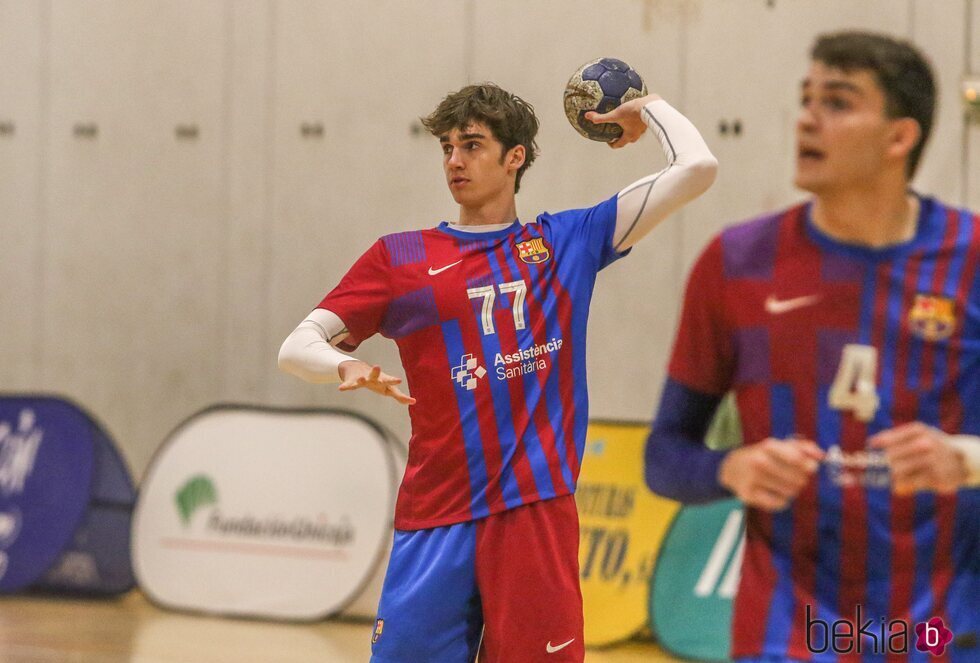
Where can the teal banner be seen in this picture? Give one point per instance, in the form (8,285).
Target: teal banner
(695,580)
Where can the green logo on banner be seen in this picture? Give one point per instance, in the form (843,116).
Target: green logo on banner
(197,492)
(696,577)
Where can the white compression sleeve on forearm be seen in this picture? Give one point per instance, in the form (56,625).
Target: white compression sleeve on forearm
(308,352)
(969,446)
(690,170)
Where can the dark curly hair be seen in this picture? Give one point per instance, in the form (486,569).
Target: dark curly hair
(510,118)
(901,71)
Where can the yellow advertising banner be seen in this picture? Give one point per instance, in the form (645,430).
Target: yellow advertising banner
(622,527)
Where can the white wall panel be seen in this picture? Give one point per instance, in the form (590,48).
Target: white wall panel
(746,61)
(136,216)
(735,96)
(247,360)
(365,72)
(942,37)
(532,48)
(972,165)
(22,41)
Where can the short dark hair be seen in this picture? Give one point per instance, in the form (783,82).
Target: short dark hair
(901,70)
(510,118)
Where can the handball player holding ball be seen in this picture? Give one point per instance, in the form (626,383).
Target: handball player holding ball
(489,314)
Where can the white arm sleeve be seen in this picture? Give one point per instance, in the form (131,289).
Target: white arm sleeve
(690,170)
(969,446)
(308,352)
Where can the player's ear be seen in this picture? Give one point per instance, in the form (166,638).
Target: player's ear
(515,157)
(905,135)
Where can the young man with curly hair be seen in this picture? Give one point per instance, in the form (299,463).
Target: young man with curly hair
(489,315)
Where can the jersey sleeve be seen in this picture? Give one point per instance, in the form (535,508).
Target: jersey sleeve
(703,358)
(593,227)
(361,298)
(677,464)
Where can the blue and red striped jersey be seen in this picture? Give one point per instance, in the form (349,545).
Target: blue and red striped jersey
(491,330)
(771,308)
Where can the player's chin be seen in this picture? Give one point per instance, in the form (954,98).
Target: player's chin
(460,199)
(462,195)
(807,182)
(817,177)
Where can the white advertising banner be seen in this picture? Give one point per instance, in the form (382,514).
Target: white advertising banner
(277,514)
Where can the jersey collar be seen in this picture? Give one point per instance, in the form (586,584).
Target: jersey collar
(493,234)
(828,243)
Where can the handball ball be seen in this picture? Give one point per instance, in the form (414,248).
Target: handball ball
(601,85)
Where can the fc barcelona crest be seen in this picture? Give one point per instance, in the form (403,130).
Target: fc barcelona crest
(379,627)
(932,318)
(533,251)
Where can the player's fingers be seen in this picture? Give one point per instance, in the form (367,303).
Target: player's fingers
(764,470)
(788,480)
(766,500)
(400,396)
(629,137)
(621,142)
(911,483)
(902,488)
(784,480)
(791,455)
(601,118)
(926,476)
(374,374)
(810,449)
(948,487)
(898,435)
(348,386)
(389,379)
(909,449)
(909,467)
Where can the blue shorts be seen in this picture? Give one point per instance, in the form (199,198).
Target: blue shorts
(510,578)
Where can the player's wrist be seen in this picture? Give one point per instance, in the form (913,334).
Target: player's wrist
(967,448)
(727,471)
(655,105)
(344,367)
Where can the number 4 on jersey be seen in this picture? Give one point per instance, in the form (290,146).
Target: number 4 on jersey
(854,387)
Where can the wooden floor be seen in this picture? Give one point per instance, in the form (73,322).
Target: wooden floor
(42,630)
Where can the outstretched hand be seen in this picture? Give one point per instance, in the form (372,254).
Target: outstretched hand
(629,116)
(358,375)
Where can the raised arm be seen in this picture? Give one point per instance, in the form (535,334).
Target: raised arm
(690,170)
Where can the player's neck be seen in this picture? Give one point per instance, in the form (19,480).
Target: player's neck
(492,212)
(869,218)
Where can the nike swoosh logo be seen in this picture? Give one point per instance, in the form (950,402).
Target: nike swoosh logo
(433,272)
(778,306)
(552,650)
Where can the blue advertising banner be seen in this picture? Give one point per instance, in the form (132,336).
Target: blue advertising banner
(66,501)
